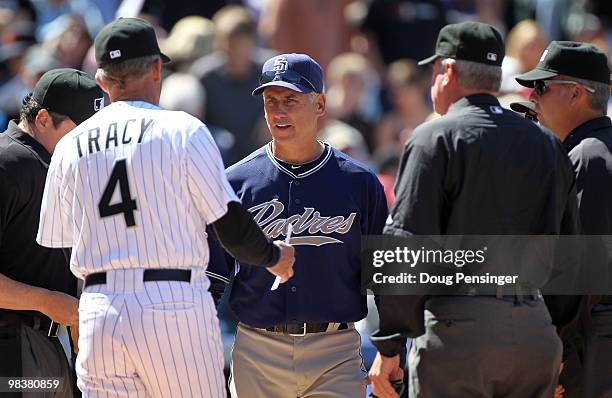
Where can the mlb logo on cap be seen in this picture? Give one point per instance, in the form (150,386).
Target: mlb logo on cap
(492,57)
(115,54)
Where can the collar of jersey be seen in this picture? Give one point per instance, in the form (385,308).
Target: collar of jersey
(320,162)
(140,104)
(585,130)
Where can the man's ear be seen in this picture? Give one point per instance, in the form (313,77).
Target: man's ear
(101,83)
(42,120)
(156,69)
(320,104)
(450,74)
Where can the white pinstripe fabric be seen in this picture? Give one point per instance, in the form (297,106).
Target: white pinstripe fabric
(175,174)
(136,339)
(160,339)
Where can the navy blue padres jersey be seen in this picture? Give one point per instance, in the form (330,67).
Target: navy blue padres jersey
(330,203)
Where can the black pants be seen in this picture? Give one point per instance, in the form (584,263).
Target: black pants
(25,352)
(591,377)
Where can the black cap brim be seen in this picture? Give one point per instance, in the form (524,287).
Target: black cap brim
(528,78)
(522,106)
(428,60)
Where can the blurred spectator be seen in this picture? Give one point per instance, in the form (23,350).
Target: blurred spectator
(387,162)
(350,93)
(404,28)
(524,46)
(94,13)
(12,88)
(67,36)
(35,63)
(345,138)
(191,38)
(169,12)
(587,27)
(488,11)
(314,27)
(229,75)
(22,31)
(408,88)
(183,92)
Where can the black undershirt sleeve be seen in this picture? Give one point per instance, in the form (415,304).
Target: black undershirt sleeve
(240,235)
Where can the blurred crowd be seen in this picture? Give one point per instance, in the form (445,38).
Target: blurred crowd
(376,94)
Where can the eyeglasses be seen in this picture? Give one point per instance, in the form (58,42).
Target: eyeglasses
(288,76)
(540,86)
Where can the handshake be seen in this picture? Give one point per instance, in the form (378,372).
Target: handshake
(283,269)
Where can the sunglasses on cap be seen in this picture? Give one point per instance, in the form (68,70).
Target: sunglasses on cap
(288,76)
(540,86)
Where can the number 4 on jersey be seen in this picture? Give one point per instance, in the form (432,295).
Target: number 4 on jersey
(127,204)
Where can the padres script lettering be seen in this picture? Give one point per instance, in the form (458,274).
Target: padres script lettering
(310,220)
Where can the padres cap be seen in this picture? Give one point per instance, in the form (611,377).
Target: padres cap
(569,58)
(297,72)
(469,41)
(69,92)
(126,38)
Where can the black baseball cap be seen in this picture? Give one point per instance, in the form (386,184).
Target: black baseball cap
(469,41)
(126,38)
(569,58)
(69,92)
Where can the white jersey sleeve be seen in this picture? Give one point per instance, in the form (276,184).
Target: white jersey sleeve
(206,180)
(55,225)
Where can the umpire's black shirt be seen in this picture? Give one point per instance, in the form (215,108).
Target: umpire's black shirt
(23,169)
(590,150)
(479,169)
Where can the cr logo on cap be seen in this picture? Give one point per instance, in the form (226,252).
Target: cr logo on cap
(115,54)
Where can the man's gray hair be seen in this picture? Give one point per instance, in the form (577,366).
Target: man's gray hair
(474,75)
(598,101)
(127,70)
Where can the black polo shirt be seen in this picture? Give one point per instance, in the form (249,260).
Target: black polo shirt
(480,169)
(590,150)
(23,169)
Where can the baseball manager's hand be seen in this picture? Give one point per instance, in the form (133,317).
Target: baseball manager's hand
(284,267)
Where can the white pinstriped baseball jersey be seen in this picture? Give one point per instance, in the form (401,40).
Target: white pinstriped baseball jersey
(133,187)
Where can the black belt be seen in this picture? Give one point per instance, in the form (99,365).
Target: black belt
(301,329)
(35,320)
(518,295)
(181,275)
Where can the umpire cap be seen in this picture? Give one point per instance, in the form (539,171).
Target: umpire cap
(469,41)
(69,92)
(569,58)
